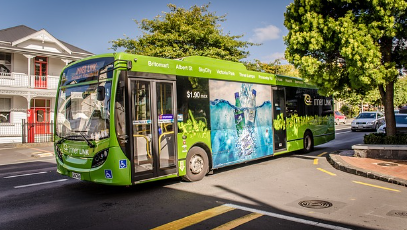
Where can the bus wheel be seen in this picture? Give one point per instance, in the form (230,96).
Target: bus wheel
(197,164)
(308,142)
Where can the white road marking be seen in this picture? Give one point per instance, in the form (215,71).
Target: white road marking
(35,184)
(289,218)
(28,174)
(342,132)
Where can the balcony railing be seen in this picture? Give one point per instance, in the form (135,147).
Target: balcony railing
(22,80)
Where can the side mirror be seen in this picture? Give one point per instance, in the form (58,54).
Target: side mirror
(100,94)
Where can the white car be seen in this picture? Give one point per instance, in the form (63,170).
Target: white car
(401,124)
(368,121)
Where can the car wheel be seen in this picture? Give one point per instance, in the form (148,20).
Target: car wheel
(308,142)
(344,121)
(197,164)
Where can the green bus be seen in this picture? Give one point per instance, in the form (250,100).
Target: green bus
(123,119)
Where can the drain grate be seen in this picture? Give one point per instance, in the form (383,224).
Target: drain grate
(315,204)
(387,164)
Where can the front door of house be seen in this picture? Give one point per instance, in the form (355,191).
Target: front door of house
(40,72)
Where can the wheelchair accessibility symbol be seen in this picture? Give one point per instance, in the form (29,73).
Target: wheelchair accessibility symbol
(123,164)
(108,174)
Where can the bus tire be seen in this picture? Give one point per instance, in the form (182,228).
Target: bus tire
(308,142)
(197,164)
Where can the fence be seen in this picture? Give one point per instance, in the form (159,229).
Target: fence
(37,132)
(10,129)
(22,80)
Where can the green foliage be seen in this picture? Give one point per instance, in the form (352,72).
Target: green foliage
(339,44)
(181,32)
(343,44)
(273,67)
(381,138)
(345,110)
(400,92)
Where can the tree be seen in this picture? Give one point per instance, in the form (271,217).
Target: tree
(273,67)
(180,33)
(359,45)
(400,92)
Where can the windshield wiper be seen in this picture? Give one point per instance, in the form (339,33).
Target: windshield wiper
(90,144)
(65,138)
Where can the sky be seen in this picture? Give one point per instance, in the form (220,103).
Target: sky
(90,25)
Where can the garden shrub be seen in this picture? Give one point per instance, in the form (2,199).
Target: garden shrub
(381,138)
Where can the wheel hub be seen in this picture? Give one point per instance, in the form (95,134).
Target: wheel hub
(196,164)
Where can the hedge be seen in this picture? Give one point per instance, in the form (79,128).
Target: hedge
(381,138)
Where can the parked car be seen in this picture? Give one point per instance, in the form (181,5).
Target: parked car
(339,118)
(368,121)
(401,124)
(403,109)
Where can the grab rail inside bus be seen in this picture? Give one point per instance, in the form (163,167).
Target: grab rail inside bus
(147,143)
(159,140)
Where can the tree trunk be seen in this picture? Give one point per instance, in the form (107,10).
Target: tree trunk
(388,96)
(389,109)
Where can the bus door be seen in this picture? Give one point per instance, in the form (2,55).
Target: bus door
(153,125)
(279,117)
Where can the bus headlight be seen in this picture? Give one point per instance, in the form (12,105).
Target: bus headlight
(100,158)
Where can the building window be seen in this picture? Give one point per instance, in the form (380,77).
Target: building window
(5,62)
(5,110)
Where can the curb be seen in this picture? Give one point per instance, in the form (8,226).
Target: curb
(42,154)
(26,145)
(338,163)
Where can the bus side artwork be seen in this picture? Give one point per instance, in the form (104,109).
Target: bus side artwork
(161,118)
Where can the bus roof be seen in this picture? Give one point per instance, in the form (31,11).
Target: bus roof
(204,67)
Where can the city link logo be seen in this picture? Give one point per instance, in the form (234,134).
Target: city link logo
(320,102)
(307,99)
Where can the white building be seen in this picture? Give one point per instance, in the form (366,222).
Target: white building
(30,64)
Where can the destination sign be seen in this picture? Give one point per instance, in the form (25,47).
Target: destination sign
(84,71)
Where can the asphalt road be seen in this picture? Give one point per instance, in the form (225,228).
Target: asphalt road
(264,194)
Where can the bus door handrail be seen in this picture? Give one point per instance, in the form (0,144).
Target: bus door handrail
(159,140)
(147,143)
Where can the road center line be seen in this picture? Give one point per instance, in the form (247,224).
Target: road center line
(28,174)
(323,170)
(236,223)
(42,183)
(376,186)
(320,155)
(289,218)
(195,218)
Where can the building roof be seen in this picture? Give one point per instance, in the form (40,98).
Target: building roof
(16,33)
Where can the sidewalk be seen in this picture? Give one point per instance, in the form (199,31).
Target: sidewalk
(14,153)
(392,171)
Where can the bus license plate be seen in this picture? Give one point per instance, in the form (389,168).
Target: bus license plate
(76,175)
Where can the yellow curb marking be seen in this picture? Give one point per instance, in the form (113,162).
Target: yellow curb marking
(323,170)
(320,155)
(42,150)
(315,161)
(195,218)
(376,186)
(235,223)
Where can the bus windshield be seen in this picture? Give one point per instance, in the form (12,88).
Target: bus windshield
(80,114)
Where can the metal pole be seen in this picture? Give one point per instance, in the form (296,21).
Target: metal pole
(23,131)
